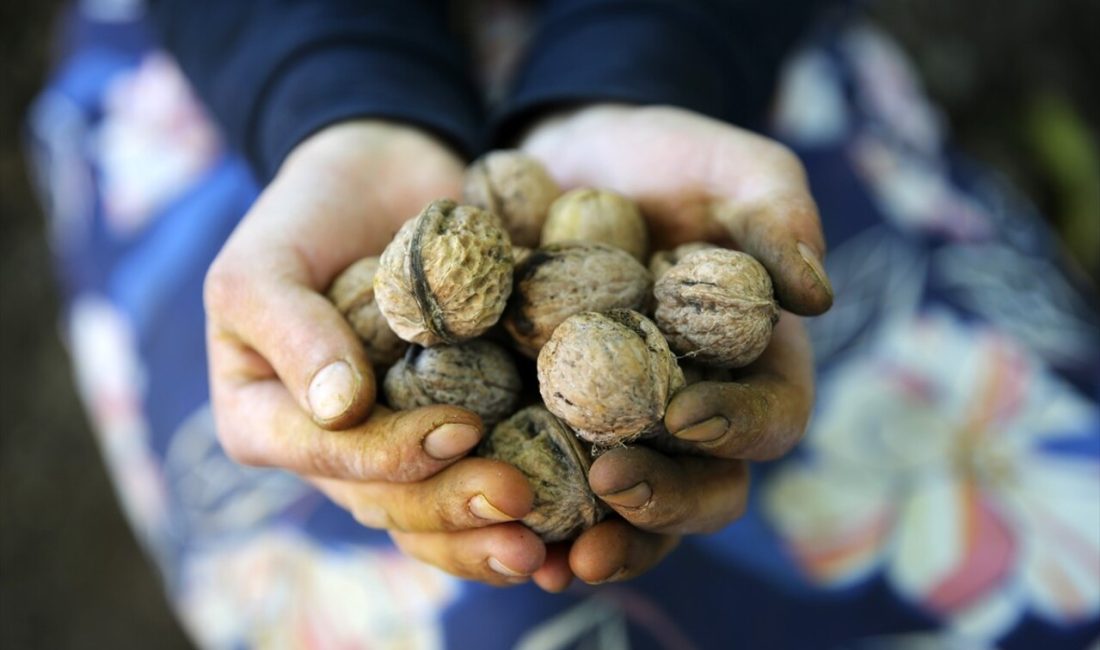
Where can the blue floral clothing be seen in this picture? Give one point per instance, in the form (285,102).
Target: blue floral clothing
(947,494)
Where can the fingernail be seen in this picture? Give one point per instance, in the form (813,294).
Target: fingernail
(812,261)
(614,577)
(632,497)
(503,569)
(483,508)
(332,390)
(451,440)
(705,431)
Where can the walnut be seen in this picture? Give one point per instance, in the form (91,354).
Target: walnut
(476,375)
(662,261)
(560,280)
(556,464)
(520,253)
(718,307)
(597,216)
(353,294)
(446,276)
(608,376)
(516,188)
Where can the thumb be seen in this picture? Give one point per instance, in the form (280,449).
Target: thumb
(783,232)
(299,333)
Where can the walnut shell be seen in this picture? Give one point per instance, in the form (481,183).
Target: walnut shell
(520,253)
(476,375)
(446,276)
(662,261)
(556,464)
(718,307)
(597,216)
(353,294)
(515,187)
(560,280)
(608,376)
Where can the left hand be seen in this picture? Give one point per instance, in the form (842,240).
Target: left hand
(695,179)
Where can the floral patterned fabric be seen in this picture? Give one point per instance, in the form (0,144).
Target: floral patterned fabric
(947,494)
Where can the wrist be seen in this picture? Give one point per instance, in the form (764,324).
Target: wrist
(374,169)
(552,127)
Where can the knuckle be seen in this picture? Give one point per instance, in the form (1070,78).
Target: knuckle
(221,285)
(238,448)
(373,516)
(375,462)
(784,158)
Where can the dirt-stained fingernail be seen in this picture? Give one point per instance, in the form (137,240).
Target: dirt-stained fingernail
(503,569)
(814,263)
(332,390)
(635,496)
(615,576)
(484,509)
(450,440)
(705,431)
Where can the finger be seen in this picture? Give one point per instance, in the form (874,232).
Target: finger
(259,424)
(778,224)
(761,416)
(554,575)
(613,550)
(262,305)
(673,495)
(472,493)
(505,554)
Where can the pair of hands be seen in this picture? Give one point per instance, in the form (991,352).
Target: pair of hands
(291,387)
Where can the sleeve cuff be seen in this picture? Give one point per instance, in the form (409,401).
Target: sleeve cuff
(637,52)
(335,82)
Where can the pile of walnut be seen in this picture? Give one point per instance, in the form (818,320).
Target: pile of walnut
(558,278)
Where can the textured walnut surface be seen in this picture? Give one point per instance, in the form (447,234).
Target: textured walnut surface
(597,216)
(516,188)
(608,376)
(717,306)
(560,280)
(556,464)
(477,375)
(353,294)
(446,276)
(662,261)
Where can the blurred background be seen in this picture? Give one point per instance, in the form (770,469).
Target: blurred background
(1014,78)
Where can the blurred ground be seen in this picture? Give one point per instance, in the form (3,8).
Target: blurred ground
(1016,80)
(71,574)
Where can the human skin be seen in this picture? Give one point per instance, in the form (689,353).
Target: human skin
(695,179)
(290,385)
(291,388)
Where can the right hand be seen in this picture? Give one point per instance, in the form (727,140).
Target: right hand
(291,387)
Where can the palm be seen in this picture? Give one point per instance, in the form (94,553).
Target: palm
(685,171)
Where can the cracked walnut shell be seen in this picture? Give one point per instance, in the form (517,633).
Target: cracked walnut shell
(609,376)
(515,187)
(556,464)
(717,306)
(560,280)
(446,276)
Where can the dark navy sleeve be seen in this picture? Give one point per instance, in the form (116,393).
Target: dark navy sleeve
(275,71)
(719,58)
